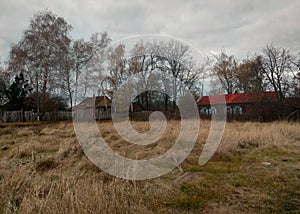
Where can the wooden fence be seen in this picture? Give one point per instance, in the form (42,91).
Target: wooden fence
(29,116)
(89,114)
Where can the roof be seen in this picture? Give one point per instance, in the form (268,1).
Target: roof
(100,101)
(239,98)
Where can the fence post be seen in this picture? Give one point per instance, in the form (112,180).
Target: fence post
(4,117)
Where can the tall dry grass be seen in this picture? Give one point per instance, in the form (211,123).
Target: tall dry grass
(283,135)
(44,170)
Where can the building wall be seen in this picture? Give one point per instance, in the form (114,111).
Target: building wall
(254,111)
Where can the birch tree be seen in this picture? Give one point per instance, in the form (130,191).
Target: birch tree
(41,53)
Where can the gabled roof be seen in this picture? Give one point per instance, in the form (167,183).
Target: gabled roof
(100,101)
(240,98)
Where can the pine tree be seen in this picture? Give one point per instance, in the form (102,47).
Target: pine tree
(17,93)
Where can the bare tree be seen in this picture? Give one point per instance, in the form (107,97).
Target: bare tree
(41,52)
(81,53)
(177,60)
(118,73)
(3,85)
(170,58)
(66,81)
(277,65)
(250,75)
(225,69)
(296,85)
(89,58)
(95,67)
(296,76)
(144,61)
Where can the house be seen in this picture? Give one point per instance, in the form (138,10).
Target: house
(254,105)
(102,105)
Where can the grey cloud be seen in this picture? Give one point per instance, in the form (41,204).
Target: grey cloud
(238,26)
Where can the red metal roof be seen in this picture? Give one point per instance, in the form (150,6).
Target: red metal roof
(253,97)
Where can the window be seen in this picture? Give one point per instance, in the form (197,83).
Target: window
(213,110)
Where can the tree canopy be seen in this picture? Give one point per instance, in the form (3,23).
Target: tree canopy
(58,67)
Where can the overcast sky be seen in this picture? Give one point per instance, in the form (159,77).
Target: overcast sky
(238,26)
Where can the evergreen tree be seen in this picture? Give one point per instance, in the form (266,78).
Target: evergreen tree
(17,93)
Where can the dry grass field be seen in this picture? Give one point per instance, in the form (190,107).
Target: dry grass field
(256,169)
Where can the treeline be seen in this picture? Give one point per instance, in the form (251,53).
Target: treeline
(274,69)
(47,70)
(51,62)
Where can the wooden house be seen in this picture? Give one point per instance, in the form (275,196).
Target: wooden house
(255,105)
(101,105)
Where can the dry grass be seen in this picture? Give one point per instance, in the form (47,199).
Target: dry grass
(255,169)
